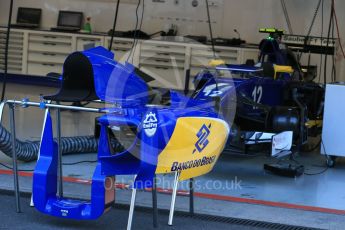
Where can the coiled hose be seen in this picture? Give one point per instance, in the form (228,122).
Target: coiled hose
(28,150)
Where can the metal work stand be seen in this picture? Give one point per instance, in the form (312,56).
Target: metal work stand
(14,157)
(173,199)
(58,133)
(191,196)
(11,104)
(154,203)
(131,208)
(47,107)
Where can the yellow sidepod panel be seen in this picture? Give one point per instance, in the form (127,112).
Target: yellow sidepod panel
(194,147)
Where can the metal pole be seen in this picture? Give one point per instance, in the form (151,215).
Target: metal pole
(58,132)
(2,106)
(154,203)
(54,106)
(187,80)
(173,200)
(114,203)
(191,196)
(14,157)
(131,209)
(7,44)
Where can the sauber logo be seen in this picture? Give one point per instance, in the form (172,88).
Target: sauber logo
(202,142)
(215,90)
(150,124)
(64,212)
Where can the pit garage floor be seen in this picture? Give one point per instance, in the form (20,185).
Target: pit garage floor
(116,218)
(238,187)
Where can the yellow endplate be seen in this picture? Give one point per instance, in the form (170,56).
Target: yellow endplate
(190,154)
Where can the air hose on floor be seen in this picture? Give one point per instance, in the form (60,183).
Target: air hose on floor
(28,150)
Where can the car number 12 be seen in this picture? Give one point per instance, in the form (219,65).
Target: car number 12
(257,95)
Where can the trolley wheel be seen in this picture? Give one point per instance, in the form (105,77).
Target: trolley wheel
(331,161)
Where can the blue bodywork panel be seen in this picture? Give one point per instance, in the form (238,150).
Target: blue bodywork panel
(45,184)
(154,126)
(115,82)
(245,82)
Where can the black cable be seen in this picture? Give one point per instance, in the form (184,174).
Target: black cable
(79,162)
(334,73)
(211,35)
(332,36)
(141,24)
(240,153)
(311,24)
(324,170)
(6,52)
(286,14)
(210,28)
(142,17)
(313,148)
(236,151)
(314,17)
(318,173)
(21,170)
(114,25)
(135,30)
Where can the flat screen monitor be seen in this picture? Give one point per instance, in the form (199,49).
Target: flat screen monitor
(29,16)
(70,19)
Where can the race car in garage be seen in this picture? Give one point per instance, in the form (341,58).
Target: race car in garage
(274,95)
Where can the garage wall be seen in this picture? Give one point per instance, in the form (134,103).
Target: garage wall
(244,15)
(302,18)
(158,16)
(248,15)
(101,11)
